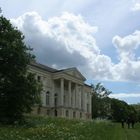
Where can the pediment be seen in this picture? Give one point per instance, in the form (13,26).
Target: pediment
(74,72)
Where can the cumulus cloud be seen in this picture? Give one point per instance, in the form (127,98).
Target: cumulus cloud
(129,66)
(126,46)
(63,41)
(68,41)
(68,33)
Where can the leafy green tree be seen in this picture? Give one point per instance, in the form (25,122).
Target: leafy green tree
(137,109)
(19,90)
(121,110)
(100,101)
(105,107)
(95,105)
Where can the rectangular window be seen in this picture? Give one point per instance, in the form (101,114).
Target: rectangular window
(48,112)
(74,114)
(67,113)
(80,115)
(39,78)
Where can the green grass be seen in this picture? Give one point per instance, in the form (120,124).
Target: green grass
(43,128)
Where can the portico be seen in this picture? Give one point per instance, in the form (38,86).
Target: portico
(69,96)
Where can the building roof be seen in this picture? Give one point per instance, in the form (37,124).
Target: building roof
(87,85)
(43,67)
(74,70)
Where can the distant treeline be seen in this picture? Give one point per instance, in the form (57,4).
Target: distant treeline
(104,107)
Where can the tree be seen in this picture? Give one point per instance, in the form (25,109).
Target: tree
(19,90)
(95,105)
(100,101)
(121,110)
(137,109)
(110,108)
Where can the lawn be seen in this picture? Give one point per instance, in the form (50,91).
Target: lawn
(43,128)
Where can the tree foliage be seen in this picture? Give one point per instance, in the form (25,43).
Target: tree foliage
(137,109)
(121,110)
(109,108)
(100,101)
(19,90)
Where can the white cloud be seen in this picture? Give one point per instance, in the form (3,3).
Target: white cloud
(136,5)
(130,98)
(68,41)
(125,95)
(62,41)
(129,66)
(127,45)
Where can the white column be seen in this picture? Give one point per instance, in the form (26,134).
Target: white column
(80,97)
(52,95)
(62,92)
(90,107)
(85,101)
(69,88)
(74,98)
(77,96)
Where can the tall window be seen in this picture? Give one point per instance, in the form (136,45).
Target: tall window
(47,98)
(55,113)
(39,78)
(48,112)
(74,114)
(80,115)
(67,113)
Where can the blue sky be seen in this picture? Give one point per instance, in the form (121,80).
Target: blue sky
(101,38)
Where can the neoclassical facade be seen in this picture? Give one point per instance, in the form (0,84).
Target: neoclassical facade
(64,92)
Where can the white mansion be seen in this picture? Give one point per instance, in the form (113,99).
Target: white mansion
(64,92)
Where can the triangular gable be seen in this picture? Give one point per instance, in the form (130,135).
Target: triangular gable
(75,73)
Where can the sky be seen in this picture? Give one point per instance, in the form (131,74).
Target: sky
(99,37)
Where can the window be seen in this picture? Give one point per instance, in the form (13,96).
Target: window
(67,113)
(55,113)
(80,115)
(39,78)
(48,112)
(74,114)
(47,97)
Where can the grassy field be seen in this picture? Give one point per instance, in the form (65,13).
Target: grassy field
(42,128)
